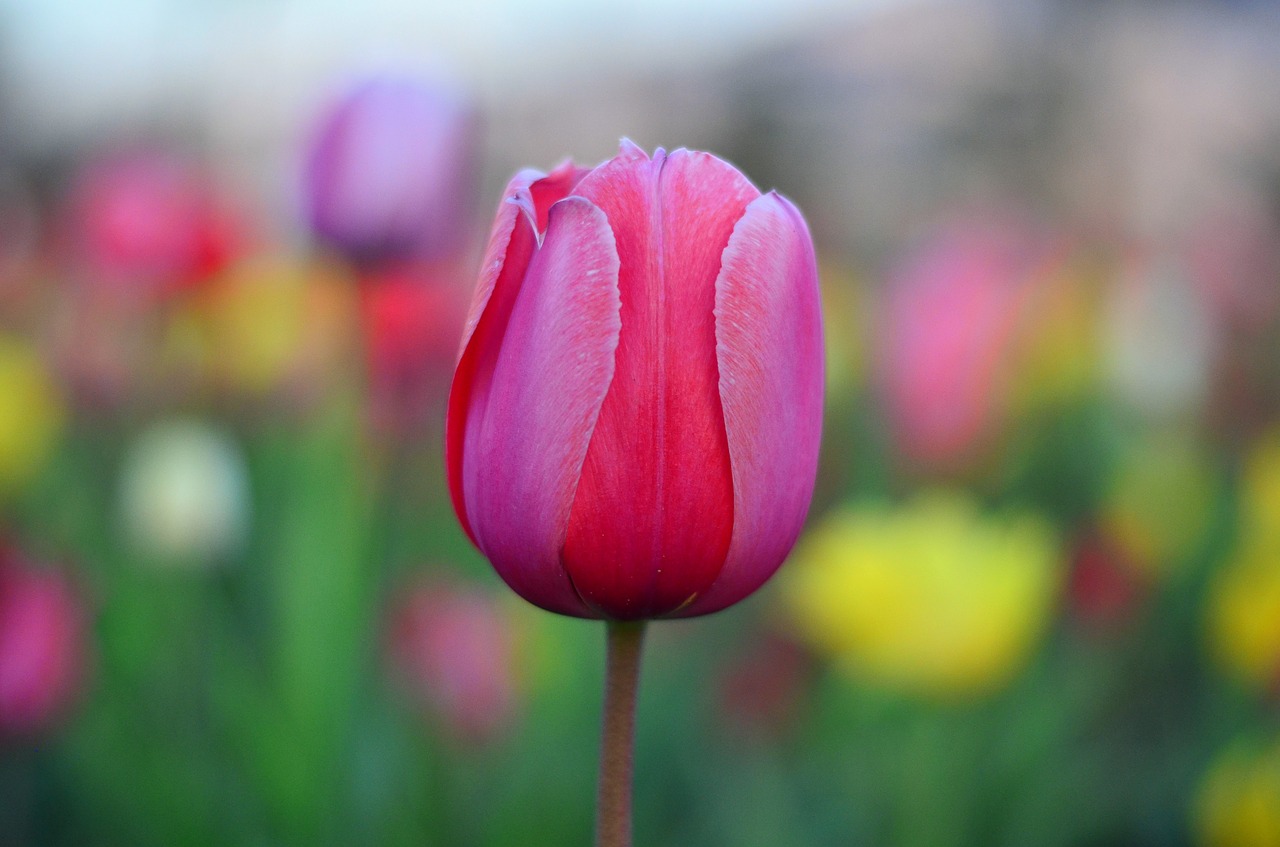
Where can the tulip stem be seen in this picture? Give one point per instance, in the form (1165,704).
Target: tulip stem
(617,742)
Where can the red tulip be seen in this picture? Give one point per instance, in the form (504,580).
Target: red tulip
(634,420)
(412,316)
(42,646)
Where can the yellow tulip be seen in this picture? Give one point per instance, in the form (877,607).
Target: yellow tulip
(845,335)
(270,319)
(1057,347)
(1239,801)
(933,596)
(1160,502)
(1260,492)
(1244,614)
(31,414)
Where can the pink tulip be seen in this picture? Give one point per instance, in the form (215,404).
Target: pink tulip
(151,222)
(452,649)
(42,647)
(634,420)
(389,170)
(949,321)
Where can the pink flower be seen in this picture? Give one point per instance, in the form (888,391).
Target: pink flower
(42,647)
(389,170)
(948,325)
(452,650)
(151,222)
(634,421)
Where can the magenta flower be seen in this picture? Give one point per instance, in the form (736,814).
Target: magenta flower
(946,338)
(452,649)
(42,647)
(634,420)
(389,170)
(151,222)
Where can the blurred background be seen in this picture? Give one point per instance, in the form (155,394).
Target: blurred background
(1038,599)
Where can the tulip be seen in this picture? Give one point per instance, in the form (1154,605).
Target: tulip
(42,646)
(1238,802)
(31,414)
(1159,505)
(934,596)
(453,650)
(1104,588)
(1160,341)
(389,168)
(151,221)
(184,493)
(947,336)
(412,317)
(634,419)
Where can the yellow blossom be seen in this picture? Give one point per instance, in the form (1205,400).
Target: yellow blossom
(1260,492)
(933,596)
(1244,597)
(1160,502)
(1239,801)
(1244,614)
(1057,346)
(270,319)
(31,413)
(844,333)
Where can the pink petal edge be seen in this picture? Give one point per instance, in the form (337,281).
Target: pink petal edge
(530,424)
(770,351)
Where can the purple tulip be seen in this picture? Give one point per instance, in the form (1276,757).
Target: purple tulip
(634,421)
(389,170)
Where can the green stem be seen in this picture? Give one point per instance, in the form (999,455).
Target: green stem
(617,742)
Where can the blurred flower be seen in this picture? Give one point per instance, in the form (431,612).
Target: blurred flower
(184,492)
(947,329)
(273,321)
(1104,588)
(1056,348)
(645,345)
(1244,615)
(1244,596)
(845,335)
(1160,341)
(762,690)
(1160,501)
(390,168)
(452,649)
(31,413)
(932,596)
(413,318)
(1234,257)
(1260,489)
(1238,804)
(43,647)
(148,222)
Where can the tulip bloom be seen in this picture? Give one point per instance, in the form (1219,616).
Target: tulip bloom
(634,420)
(42,646)
(389,170)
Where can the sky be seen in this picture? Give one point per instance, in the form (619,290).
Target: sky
(75,64)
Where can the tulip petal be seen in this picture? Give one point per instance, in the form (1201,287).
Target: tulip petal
(530,422)
(769,347)
(511,246)
(653,516)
